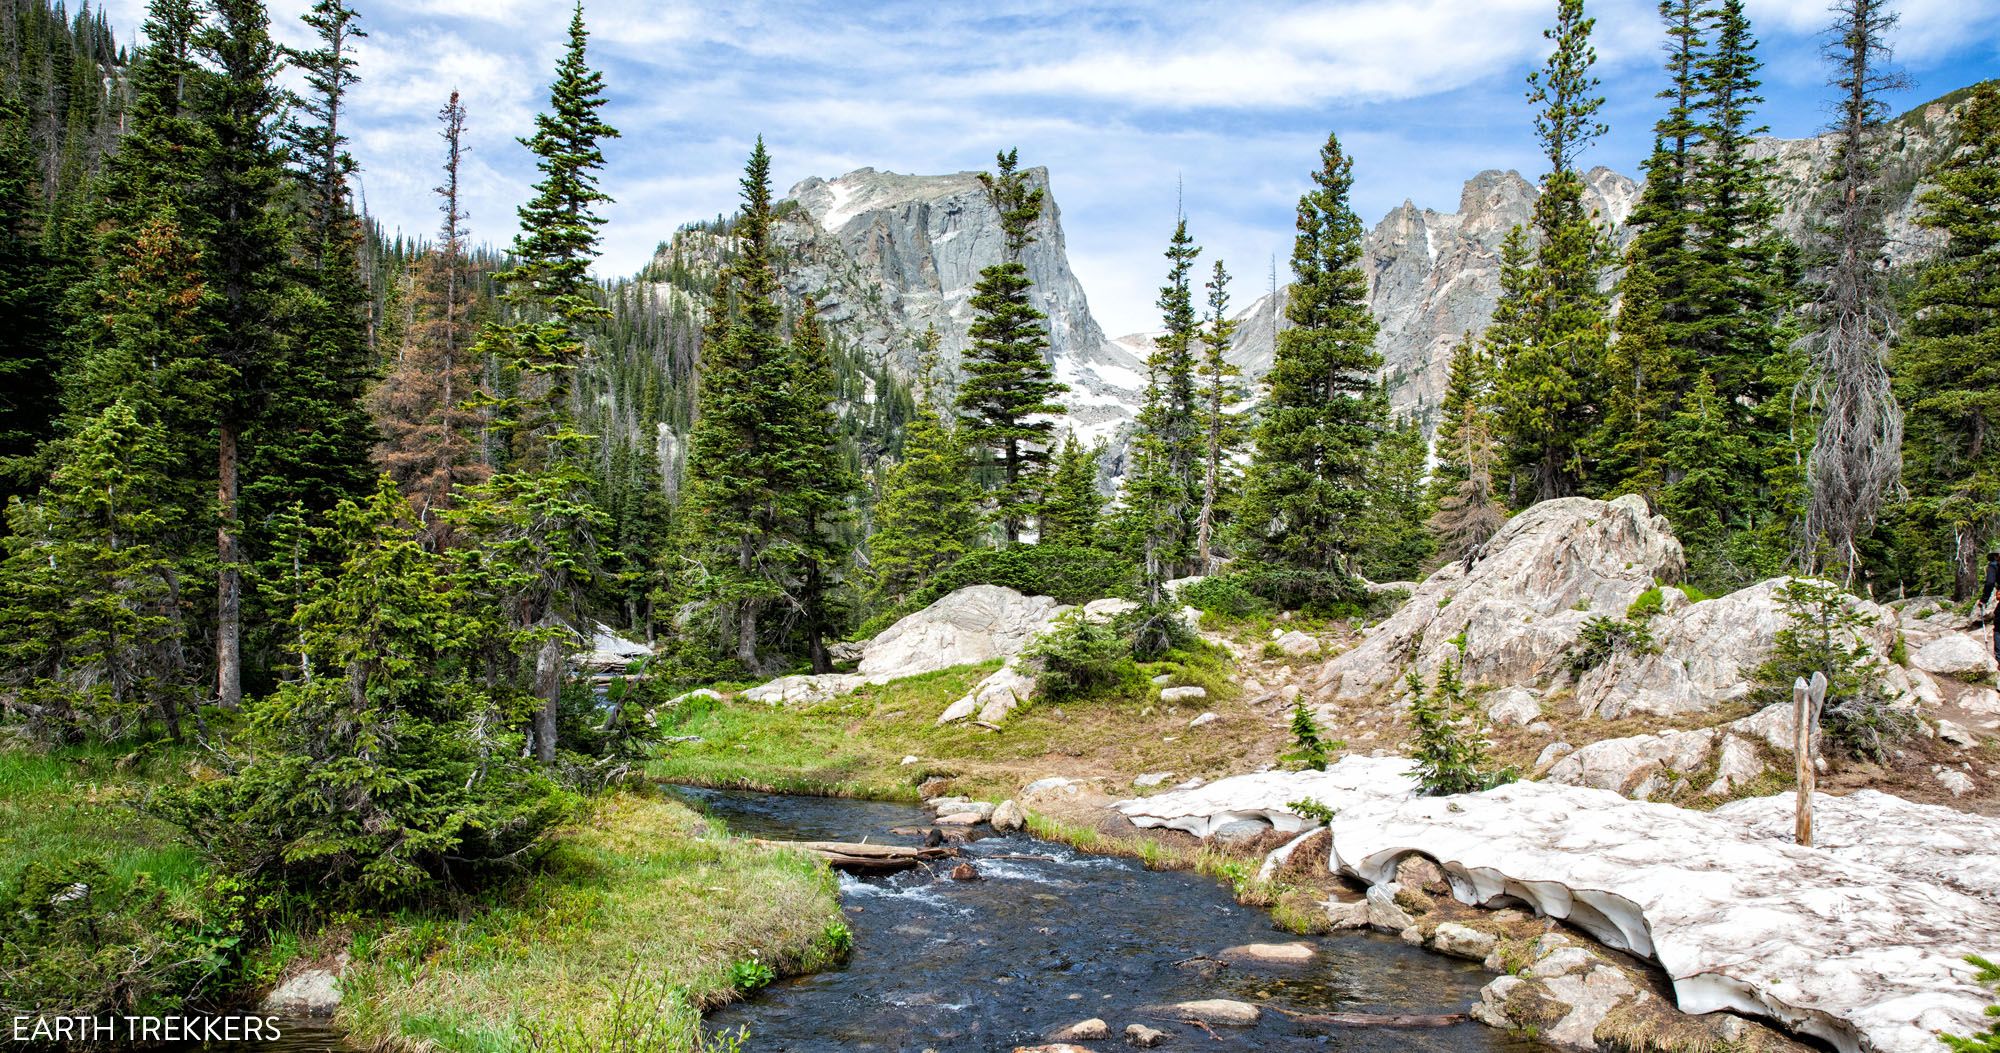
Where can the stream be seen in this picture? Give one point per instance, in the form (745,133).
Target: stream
(1041,943)
(1048,937)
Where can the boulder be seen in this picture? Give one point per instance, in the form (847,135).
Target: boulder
(1705,654)
(1641,765)
(1183,694)
(1463,941)
(961,819)
(1144,1037)
(1347,914)
(315,992)
(992,699)
(1550,754)
(975,624)
(1106,609)
(610,652)
(1955,734)
(1519,706)
(1239,832)
(1520,607)
(1224,1011)
(1384,912)
(1960,655)
(1492,1007)
(1008,817)
(804,688)
(959,806)
(1590,999)
(1296,643)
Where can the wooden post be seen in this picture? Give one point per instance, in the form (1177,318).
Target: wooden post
(1807,699)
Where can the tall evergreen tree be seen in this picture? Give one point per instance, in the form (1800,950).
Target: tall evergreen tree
(1640,381)
(1221,432)
(1395,542)
(928,515)
(1664,217)
(242,174)
(1857,447)
(1709,461)
(730,513)
(1547,391)
(815,488)
(1467,389)
(1165,488)
(1948,370)
(1317,429)
(1009,388)
(29,346)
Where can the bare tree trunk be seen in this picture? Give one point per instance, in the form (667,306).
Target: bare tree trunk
(229,578)
(548,687)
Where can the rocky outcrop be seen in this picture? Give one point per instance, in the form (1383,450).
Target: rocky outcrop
(1514,614)
(1843,944)
(1643,767)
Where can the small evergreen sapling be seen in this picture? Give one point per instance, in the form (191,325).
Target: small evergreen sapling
(1451,742)
(1987,1041)
(1310,748)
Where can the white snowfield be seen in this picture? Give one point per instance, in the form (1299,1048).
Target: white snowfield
(1862,948)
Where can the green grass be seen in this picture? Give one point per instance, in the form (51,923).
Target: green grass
(641,915)
(854,745)
(79,802)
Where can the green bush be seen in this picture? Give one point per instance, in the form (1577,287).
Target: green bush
(1823,634)
(1451,737)
(75,941)
(1603,638)
(1070,574)
(1223,594)
(1322,592)
(1080,658)
(1154,631)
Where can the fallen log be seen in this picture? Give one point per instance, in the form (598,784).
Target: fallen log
(1376,1019)
(864,858)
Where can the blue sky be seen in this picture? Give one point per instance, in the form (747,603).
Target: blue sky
(1123,100)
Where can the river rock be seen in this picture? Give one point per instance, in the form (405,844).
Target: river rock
(1092,1030)
(1144,1037)
(1590,998)
(961,819)
(1384,912)
(1189,693)
(1296,953)
(960,805)
(1463,941)
(314,992)
(1347,914)
(1491,1009)
(965,872)
(1223,1011)
(1521,607)
(1008,817)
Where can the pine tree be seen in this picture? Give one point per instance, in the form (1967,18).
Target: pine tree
(1467,388)
(1009,388)
(1948,370)
(1709,462)
(1857,447)
(1074,508)
(730,513)
(1317,429)
(1640,383)
(1395,543)
(1462,481)
(815,485)
(242,174)
(1221,432)
(29,351)
(89,610)
(927,519)
(1546,390)
(1164,489)
(424,407)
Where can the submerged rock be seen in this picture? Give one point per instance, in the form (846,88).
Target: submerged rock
(1092,1030)
(1144,1037)
(1296,953)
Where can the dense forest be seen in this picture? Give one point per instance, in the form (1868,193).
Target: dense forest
(339,504)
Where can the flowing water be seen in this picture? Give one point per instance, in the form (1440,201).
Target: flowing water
(1048,937)
(1051,936)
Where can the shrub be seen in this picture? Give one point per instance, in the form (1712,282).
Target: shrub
(1322,592)
(1451,737)
(1823,634)
(1311,808)
(1603,638)
(1154,631)
(1079,658)
(1223,594)
(1070,574)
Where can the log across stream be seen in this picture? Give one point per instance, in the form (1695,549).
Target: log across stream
(1049,937)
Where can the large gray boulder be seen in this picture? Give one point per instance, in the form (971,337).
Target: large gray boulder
(976,624)
(1520,608)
